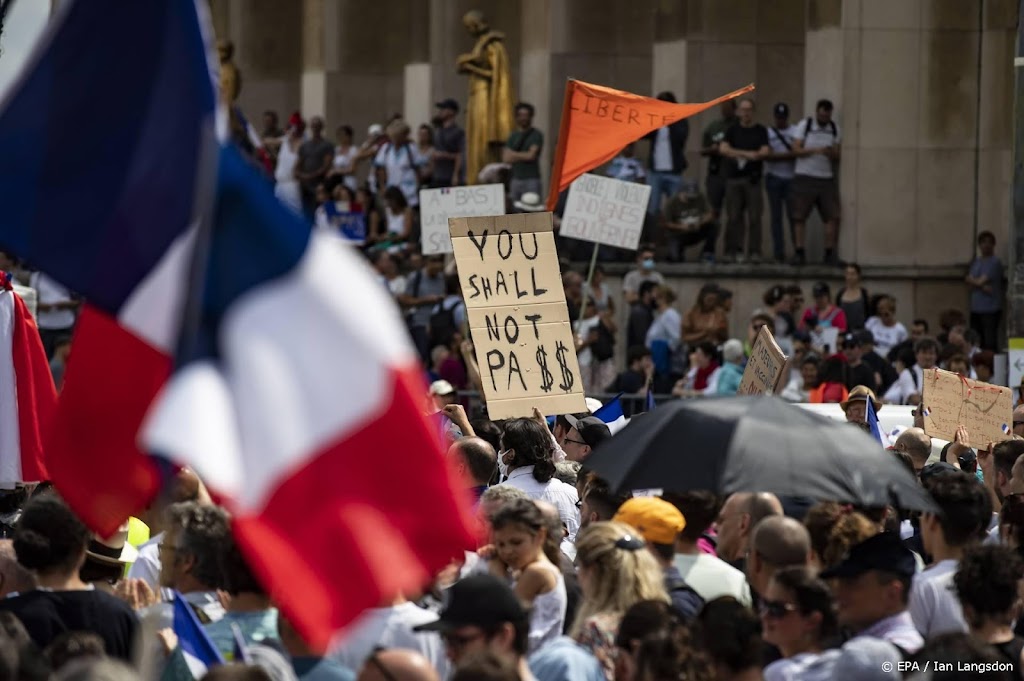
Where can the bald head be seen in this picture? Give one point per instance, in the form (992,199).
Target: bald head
(781,541)
(13,577)
(776,542)
(916,443)
(552,520)
(762,505)
(397,664)
(477,457)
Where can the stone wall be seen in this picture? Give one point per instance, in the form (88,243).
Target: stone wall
(923,88)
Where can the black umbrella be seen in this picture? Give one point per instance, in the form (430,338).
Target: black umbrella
(755,444)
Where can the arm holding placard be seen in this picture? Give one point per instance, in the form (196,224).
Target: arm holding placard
(472,369)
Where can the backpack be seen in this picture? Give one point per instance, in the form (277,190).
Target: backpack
(831,126)
(685,601)
(604,347)
(442,327)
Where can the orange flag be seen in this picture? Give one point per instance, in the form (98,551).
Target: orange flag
(597,122)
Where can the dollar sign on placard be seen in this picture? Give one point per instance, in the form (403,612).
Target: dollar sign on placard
(567,377)
(546,379)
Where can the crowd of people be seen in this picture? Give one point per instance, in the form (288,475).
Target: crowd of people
(571,580)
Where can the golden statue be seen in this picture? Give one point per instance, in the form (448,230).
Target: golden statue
(230,76)
(489,110)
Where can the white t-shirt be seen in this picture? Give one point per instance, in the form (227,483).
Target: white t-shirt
(712,577)
(345,160)
(886,337)
(147,565)
(400,165)
(817,137)
(50,293)
(662,151)
(390,628)
(934,605)
(783,169)
(583,329)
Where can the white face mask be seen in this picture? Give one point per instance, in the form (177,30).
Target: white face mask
(502,466)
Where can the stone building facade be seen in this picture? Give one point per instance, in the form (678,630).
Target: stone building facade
(923,92)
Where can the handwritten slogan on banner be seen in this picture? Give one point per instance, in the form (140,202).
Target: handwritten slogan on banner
(517,314)
(605,211)
(950,400)
(764,369)
(437,205)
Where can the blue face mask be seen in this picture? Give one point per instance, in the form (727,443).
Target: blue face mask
(648,264)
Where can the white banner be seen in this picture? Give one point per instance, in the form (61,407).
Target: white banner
(605,211)
(437,205)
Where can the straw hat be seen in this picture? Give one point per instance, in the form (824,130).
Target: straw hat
(861,393)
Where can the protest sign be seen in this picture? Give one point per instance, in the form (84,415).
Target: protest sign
(605,211)
(763,372)
(437,205)
(949,400)
(518,318)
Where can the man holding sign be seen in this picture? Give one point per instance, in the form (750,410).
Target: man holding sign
(517,314)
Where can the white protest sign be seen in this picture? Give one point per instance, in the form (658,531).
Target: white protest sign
(437,205)
(605,211)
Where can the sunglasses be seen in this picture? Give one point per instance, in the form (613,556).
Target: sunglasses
(776,609)
(578,442)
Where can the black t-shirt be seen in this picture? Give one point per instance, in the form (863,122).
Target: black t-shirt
(746,139)
(628,381)
(48,614)
(862,374)
(451,140)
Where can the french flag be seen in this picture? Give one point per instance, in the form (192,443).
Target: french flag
(297,395)
(28,397)
(109,142)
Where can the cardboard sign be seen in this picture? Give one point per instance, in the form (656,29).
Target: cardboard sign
(951,400)
(764,369)
(437,205)
(605,211)
(517,314)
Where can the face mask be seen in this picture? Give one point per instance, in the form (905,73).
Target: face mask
(648,264)
(502,466)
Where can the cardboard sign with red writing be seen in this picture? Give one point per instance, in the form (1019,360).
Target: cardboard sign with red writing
(764,369)
(949,400)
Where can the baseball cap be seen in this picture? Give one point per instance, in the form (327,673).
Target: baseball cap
(849,341)
(448,104)
(864,337)
(441,387)
(937,468)
(820,289)
(477,601)
(781,109)
(593,430)
(655,519)
(884,551)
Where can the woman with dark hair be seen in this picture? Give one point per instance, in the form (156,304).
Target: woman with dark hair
(731,636)
(987,582)
(50,540)
(526,459)
(798,616)
(832,382)
(706,321)
(399,217)
(853,298)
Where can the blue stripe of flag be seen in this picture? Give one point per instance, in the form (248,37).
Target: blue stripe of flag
(192,637)
(102,143)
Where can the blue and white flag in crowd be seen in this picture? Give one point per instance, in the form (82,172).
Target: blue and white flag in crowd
(611,413)
(872,420)
(649,405)
(199,651)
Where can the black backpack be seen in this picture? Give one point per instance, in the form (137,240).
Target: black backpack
(604,347)
(442,326)
(685,601)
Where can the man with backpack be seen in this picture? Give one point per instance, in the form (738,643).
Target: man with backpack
(816,142)
(660,523)
(398,163)
(424,289)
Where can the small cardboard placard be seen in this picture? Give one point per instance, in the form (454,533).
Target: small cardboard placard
(950,400)
(606,211)
(437,205)
(518,318)
(764,369)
